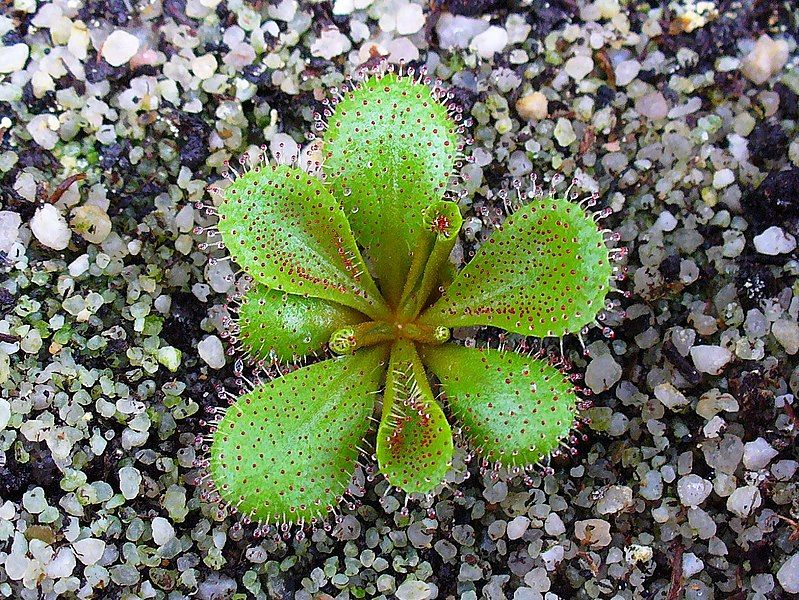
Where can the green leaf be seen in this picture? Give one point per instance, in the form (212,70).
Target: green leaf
(286,451)
(513,409)
(546,272)
(289,233)
(390,149)
(287,326)
(414,440)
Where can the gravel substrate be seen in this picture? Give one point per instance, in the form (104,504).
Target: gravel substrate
(116,114)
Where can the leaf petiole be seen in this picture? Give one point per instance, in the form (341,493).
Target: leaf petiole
(443,221)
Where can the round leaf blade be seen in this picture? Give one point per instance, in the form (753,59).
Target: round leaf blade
(514,409)
(390,149)
(289,233)
(275,324)
(546,272)
(286,450)
(414,440)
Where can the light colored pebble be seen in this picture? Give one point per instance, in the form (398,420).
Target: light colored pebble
(691,565)
(788,575)
(602,373)
(758,454)
(410,19)
(577,67)
(711,404)
(702,523)
(175,502)
(670,396)
(13,58)
(683,339)
(519,164)
(533,106)
(79,266)
(89,550)
(170,357)
(44,130)
(212,352)
(608,9)
(446,549)
(744,501)
(554,524)
(615,499)
(418,534)
(756,324)
(784,470)
(330,43)
(163,531)
(5,413)
(774,241)
(129,482)
(204,66)
(652,485)
(50,227)
(770,102)
(119,47)
(553,556)
(413,589)
(666,221)
(9,229)
(653,106)
(693,490)
(714,427)
(90,222)
(402,50)
(216,586)
(787,334)
(517,527)
(537,580)
(34,501)
(723,178)
(762,583)
(766,58)
(283,10)
(125,574)
(710,359)
(626,71)
(564,132)
(725,454)
(219,275)
(593,532)
(489,42)
(636,553)
(457,31)
(62,565)
(16,565)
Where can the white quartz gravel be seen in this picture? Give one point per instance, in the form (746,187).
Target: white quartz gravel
(119,47)
(50,227)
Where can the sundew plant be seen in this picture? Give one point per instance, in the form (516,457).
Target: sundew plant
(352,264)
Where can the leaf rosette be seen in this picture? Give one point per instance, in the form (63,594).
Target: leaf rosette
(356,263)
